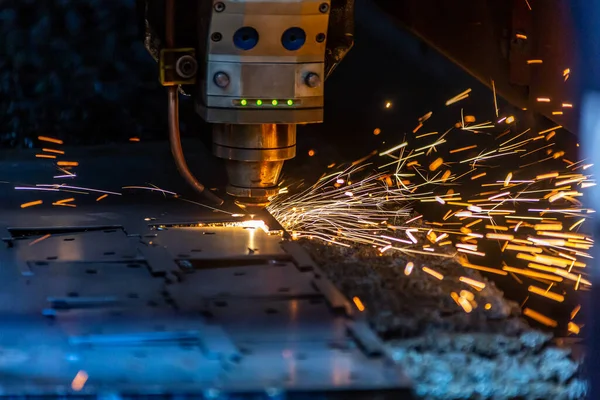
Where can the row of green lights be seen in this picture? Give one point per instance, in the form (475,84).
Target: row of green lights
(244,102)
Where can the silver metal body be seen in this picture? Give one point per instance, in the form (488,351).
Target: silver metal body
(154,295)
(268,71)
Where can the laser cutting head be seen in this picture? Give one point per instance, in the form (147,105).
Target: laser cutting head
(261,72)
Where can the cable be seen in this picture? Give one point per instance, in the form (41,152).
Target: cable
(173,110)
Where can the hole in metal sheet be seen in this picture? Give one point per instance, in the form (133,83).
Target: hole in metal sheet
(132,265)
(196,251)
(109,253)
(239,273)
(220,303)
(127,257)
(72,294)
(110,231)
(152,235)
(19,233)
(209,233)
(152,303)
(133,296)
(68,239)
(183,255)
(52,258)
(284,289)
(315,301)
(230,262)
(91,271)
(271,311)
(41,263)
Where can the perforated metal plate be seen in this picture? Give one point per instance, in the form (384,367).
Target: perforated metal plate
(154,295)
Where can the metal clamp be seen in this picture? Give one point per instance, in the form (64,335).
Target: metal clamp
(177,66)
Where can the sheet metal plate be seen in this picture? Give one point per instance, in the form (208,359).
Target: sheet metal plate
(147,296)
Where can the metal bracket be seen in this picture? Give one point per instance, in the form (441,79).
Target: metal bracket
(167,61)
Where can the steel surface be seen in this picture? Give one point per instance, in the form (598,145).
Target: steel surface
(150,294)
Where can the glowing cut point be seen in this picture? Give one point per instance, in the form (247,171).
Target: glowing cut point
(244,102)
(290,102)
(274,102)
(259,102)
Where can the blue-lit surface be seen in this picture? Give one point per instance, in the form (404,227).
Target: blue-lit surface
(138,306)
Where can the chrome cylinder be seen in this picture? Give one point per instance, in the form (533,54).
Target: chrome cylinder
(254,157)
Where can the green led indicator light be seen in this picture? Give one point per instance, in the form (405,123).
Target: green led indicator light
(274,102)
(290,102)
(244,102)
(259,102)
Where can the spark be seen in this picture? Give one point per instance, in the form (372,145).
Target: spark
(102,197)
(436,164)
(49,140)
(31,203)
(573,328)
(45,156)
(545,293)
(541,318)
(550,129)
(370,204)
(36,188)
(53,151)
(464,303)
(463,149)
(532,274)
(495,98)
(55,187)
(401,145)
(67,163)
(543,100)
(39,239)
(576,224)
(79,381)
(458,97)
(154,189)
(408,268)
(433,273)
(358,303)
(472,282)
(537,61)
(575,311)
